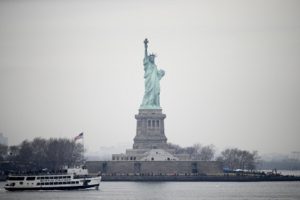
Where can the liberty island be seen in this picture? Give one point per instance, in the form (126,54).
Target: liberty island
(151,158)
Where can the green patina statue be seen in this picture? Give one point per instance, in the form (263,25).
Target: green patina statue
(152,77)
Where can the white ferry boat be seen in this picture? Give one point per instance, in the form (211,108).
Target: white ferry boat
(69,179)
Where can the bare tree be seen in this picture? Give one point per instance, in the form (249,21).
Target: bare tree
(39,158)
(206,153)
(3,152)
(13,152)
(25,153)
(239,159)
(195,152)
(64,152)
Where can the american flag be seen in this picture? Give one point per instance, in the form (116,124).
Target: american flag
(80,136)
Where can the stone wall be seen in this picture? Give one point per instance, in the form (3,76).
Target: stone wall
(155,167)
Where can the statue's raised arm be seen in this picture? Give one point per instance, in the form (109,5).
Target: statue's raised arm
(146,47)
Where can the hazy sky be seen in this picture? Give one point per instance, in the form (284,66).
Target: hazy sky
(232,71)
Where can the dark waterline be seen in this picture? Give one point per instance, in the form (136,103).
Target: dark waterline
(169,191)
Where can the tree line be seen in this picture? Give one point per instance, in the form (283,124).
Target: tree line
(56,153)
(232,158)
(51,154)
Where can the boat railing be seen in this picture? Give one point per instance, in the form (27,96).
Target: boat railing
(38,173)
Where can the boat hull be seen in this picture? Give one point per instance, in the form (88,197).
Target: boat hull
(52,188)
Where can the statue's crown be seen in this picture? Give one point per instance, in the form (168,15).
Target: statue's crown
(152,54)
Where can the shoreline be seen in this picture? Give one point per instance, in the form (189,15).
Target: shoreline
(201,178)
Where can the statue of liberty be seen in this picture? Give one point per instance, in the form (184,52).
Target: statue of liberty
(152,77)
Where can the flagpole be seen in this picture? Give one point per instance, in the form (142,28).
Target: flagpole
(83,147)
(81,136)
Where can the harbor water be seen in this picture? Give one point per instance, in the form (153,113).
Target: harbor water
(169,191)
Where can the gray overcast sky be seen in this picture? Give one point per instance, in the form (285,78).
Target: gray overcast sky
(232,71)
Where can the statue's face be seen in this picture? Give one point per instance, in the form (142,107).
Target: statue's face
(152,58)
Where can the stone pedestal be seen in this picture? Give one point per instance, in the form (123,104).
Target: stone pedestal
(150,142)
(150,132)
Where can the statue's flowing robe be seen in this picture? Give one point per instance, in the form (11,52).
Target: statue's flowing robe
(152,89)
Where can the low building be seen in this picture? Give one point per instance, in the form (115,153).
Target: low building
(154,168)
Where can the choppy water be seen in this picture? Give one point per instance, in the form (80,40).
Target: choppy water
(169,191)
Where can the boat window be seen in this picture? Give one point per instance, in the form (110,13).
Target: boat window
(21,183)
(64,182)
(55,183)
(46,177)
(77,182)
(55,177)
(30,178)
(69,176)
(16,178)
(51,183)
(64,177)
(51,177)
(60,183)
(38,184)
(38,178)
(47,183)
(42,177)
